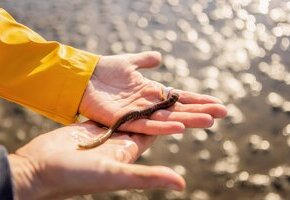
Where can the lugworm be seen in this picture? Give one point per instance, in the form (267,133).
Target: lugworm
(133,115)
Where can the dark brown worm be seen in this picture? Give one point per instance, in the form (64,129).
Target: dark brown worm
(133,115)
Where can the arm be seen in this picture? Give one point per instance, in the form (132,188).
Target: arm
(45,76)
(58,81)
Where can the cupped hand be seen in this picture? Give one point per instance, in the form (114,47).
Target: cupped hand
(116,87)
(52,167)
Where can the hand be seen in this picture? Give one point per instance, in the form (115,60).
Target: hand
(51,166)
(116,87)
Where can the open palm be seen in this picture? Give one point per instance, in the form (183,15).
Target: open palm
(116,88)
(56,168)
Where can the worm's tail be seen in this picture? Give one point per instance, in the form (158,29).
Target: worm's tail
(96,141)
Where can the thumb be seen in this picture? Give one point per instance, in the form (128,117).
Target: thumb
(146,59)
(150,177)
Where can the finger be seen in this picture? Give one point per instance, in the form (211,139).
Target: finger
(194,98)
(215,110)
(190,120)
(149,177)
(146,59)
(153,127)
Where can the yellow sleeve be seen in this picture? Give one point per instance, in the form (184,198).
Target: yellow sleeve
(45,76)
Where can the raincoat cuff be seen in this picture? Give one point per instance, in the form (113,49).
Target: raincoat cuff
(74,86)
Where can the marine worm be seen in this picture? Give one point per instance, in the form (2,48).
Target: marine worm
(133,115)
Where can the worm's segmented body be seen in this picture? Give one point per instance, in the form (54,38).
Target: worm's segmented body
(129,117)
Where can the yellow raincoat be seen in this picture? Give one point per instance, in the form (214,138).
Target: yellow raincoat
(45,76)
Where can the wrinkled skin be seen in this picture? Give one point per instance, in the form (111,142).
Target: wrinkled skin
(116,88)
(52,167)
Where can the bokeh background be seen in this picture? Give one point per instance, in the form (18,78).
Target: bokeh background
(235,50)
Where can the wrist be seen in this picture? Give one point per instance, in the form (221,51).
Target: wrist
(24,180)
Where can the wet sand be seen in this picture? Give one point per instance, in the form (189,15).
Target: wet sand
(238,52)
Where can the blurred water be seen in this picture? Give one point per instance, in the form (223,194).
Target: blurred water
(235,50)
